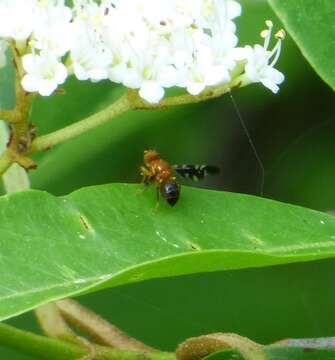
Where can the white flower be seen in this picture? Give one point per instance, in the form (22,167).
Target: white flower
(258,69)
(17,18)
(44,73)
(90,56)
(90,62)
(149,45)
(151,77)
(53,29)
(260,61)
(210,63)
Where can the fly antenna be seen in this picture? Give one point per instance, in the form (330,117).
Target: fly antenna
(251,142)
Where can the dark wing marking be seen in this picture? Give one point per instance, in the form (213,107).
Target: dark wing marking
(196,172)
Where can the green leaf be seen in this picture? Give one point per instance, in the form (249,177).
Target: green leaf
(110,235)
(311,24)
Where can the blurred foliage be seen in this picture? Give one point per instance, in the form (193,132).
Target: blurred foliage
(294,134)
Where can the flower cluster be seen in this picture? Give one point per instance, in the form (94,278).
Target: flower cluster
(147,45)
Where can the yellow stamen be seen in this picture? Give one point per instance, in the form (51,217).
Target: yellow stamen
(280,35)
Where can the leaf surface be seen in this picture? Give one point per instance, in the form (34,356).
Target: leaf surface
(311,24)
(110,235)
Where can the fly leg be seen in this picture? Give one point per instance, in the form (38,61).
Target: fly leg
(146,179)
(157,197)
(146,175)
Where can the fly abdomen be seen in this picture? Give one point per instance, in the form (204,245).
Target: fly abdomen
(196,172)
(171,192)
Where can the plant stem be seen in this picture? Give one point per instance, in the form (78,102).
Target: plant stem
(210,93)
(130,100)
(199,347)
(9,115)
(21,132)
(53,324)
(45,142)
(38,346)
(52,349)
(103,353)
(5,161)
(97,328)
(15,178)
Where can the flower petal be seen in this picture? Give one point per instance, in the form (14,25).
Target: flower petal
(151,91)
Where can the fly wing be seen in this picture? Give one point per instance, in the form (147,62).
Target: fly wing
(196,172)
